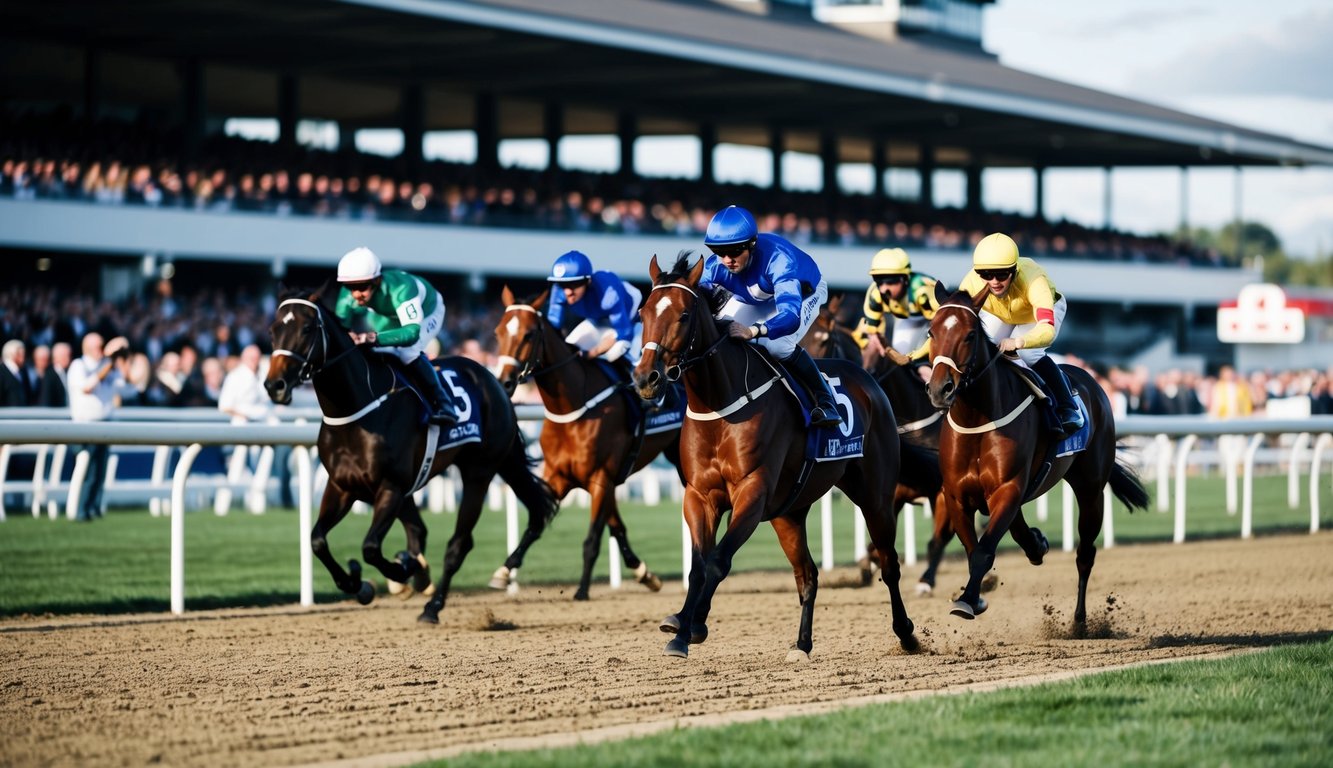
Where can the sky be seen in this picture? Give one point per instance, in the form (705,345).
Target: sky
(1263,65)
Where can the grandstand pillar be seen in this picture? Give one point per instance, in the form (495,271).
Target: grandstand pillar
(1240,230)
(412,115)
(879,161)
(974,188)
(1106,200)
(828,157)
(288,114)
(486,124)
(627,129)
(926,170)
(553,128)
(1184,200)
(194,106)
(1039,196)
(707,146)
(92,83)
(778,145)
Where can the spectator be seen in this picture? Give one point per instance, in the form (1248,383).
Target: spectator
(15,391)
(52,391)
(243,398)
(92,398)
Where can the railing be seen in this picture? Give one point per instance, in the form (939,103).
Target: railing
(195,435)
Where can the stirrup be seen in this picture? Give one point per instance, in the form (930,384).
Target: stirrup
(443,418)
(824,417)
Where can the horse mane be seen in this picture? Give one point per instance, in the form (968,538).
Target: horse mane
(716,298)
(319,295)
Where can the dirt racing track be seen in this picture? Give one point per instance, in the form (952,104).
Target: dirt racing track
(369,685)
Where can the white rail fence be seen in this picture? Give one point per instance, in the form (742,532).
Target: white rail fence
(1171,462)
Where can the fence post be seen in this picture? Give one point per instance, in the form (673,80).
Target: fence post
(1182,463)
(1319,445)
(1294,470)
(1247,510)
(826,530)
(1108,518)
(1163,472)
(178,528)
(1067,515)
(305,499)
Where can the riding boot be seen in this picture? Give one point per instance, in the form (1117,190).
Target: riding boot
(825,413)
(1071,419)
(441,405)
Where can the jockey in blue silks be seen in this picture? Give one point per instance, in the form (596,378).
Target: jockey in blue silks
(607,306)
(776,291)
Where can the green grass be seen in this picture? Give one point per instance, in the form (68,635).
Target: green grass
(121,564)
(1264,709)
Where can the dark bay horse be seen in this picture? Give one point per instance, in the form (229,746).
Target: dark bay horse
(591,436)
(373,444)
(743,448)
(995,444)
(828,337)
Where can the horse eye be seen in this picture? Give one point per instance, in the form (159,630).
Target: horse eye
(684,316)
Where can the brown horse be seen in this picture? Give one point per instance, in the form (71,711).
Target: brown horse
(373,444)
(591,438)
(995,447)
(828,337)
(743,446)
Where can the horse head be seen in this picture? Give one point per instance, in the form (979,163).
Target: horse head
(518,338)
(958,344)
(301,340)
(671,324)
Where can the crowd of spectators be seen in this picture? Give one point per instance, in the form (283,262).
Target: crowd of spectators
(1226,394)
(54,156)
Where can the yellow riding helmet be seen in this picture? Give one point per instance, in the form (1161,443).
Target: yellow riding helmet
(997,251)
(891,261)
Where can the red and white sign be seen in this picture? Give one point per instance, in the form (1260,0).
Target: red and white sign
(1261,316)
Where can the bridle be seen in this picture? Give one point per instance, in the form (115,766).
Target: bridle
(308,368)
(683,363)
(527,369)
(967,375)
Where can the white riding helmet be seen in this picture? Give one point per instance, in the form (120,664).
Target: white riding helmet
(358,265)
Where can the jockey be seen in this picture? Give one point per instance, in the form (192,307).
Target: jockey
(1022,315)
(403,312)
(777,290)
(607,307)
(909,297)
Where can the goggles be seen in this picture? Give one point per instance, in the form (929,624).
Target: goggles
(995,274)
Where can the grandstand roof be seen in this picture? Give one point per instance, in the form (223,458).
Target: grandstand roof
(672,64)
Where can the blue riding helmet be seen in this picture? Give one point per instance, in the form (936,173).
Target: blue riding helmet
(570,268)
(730,226)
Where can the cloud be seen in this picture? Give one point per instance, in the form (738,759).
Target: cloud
(1137,22)
(1292,58)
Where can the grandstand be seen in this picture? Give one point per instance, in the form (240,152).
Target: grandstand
(903,87)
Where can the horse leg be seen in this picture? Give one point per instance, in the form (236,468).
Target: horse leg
(414,559)
(644,576)
(1003,504)
(503,575)
(603,506)
(702,520)
(744,521)
(387,504)
(1030,538)
(940,539)
(475,484)
(1090,514)
(792,537)
(333,508)
(882,525)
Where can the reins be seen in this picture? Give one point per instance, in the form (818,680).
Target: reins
(526,372)
(969,378)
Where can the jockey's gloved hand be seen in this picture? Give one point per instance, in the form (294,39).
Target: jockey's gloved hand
(617,350)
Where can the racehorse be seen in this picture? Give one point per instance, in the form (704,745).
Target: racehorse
(743,449)
(592,437)
(829,338)
(993,451)
(373,443)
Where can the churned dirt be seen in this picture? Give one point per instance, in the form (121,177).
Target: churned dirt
(369,685)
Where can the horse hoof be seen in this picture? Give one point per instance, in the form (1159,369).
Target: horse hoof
(500,579)
(398,588)
(990,581)
(366,594)
(698,633)
(581,595)
(797,656)
(421,582)
(429,590)
(648,578)
(1045,546)
(428,617)
(963,610)
(910,643)
(676,647)
(924,590)
(670,625)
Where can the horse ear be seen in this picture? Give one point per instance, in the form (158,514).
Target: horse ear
(697,271)
(541,299)
(653,269)
(979,298)
(941,293)
(506,295)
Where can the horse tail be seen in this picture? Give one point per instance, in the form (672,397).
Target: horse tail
(1127,486)
(536,494)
